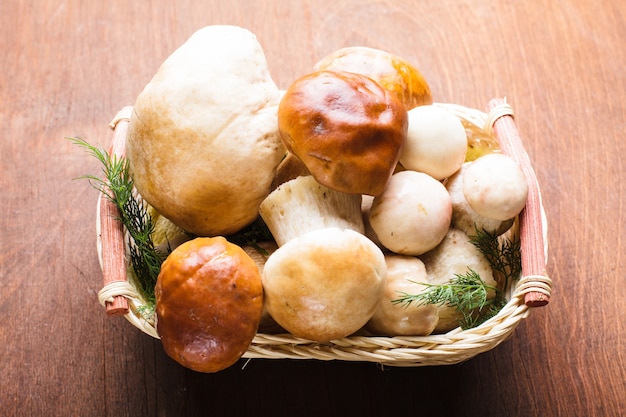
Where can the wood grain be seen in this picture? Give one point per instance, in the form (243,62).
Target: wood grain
(68,67)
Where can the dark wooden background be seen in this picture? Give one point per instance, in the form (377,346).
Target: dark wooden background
(68,66)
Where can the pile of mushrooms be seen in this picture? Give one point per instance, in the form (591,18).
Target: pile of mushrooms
(376,176)
(361,180)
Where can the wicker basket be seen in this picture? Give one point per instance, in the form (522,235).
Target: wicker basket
(120,296)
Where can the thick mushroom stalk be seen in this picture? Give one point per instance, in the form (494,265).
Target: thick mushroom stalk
(302,205)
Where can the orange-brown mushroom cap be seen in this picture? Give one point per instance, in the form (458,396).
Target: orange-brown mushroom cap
(209,301)
(390,71)
(346,128)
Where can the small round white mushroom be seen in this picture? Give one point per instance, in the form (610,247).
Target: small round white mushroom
(495,186)
(454,256)
(404,276)
(464,217)
(436,142)
(302,205)
(325,284)
(412,215)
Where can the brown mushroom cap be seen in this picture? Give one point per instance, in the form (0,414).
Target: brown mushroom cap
(209,301)
(325,284)
(346,129)
(390,71)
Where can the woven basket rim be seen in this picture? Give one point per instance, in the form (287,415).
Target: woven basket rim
(452,347)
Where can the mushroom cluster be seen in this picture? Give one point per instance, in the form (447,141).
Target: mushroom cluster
(363,183)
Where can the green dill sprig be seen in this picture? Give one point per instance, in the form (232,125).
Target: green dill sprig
(468,293)
(117,185)
(503,254)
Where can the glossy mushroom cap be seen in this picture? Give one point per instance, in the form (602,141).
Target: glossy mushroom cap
(209,301)
(346,129)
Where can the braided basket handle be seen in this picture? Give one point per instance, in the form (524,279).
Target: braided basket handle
(111,231)
(535,284)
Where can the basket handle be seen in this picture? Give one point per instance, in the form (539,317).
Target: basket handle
(535,284)
(111,229)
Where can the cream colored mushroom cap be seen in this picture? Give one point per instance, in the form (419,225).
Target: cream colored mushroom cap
(436,142)
(325,284)
(203,142)
(495,186)
(413,214)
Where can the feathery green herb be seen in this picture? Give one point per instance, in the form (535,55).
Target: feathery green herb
(504,255)
(117,185)
(468,293)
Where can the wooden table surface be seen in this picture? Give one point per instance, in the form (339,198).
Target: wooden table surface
(69,66)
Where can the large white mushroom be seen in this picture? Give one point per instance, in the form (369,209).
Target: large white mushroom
(203,142)
(412,215)
(324,284)
(325,279)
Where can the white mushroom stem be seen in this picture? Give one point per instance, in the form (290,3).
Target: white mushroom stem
(302,205)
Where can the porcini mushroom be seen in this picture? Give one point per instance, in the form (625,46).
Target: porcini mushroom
(405,275)
(495,186)
(412,215)
(347,130)
(302,205)
(203,143)
(324,284)
(390,71)
(464,217)
(209,301)
(436,142)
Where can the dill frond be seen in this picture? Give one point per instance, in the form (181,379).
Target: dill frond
(117,185)
(467,293)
